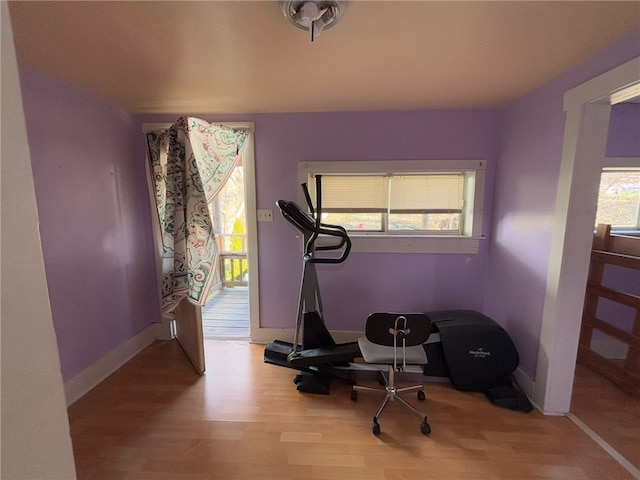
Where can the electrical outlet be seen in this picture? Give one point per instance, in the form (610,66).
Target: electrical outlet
(265,215)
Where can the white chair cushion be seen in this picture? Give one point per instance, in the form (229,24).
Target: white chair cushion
(374,353)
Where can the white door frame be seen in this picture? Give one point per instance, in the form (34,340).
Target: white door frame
(588,108)
(248,162)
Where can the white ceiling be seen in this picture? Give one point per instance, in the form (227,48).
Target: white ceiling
(245,57)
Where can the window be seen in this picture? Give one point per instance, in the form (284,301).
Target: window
(394,203)
(619,198)
(432,206)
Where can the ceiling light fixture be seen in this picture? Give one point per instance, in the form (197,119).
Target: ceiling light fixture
(313,15)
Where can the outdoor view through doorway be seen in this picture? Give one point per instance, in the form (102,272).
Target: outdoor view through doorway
(226,315)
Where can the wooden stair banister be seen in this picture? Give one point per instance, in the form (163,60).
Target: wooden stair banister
(621,251)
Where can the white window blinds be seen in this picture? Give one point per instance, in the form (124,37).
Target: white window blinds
(426,194)
(432,193)
(353,193)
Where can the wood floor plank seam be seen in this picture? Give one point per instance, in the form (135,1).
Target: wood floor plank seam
(605,446)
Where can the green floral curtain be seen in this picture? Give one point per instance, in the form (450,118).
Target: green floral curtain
(190,162)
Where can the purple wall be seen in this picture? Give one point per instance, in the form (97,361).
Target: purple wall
(524,205)
(365,282)
(93,209)
(624,131)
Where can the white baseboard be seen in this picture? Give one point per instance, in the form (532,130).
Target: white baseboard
(527,385)
(268,335)
(80,384)
(346,336)
(525,382)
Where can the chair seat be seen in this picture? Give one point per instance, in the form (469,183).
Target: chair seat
(374,353)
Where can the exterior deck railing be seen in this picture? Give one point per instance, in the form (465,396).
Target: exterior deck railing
(234,266)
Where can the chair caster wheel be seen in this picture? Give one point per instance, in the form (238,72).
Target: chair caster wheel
(425,428)
(421,396)
(354,395)
(375,428)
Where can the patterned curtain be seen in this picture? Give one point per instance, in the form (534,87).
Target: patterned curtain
(190,162)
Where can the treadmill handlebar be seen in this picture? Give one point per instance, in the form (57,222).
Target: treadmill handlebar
(309,226)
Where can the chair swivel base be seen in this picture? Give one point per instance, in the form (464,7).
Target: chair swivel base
(391,394)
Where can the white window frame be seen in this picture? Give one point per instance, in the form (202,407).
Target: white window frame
(473,211)
(623,162)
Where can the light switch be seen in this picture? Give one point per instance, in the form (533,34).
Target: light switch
(265,215)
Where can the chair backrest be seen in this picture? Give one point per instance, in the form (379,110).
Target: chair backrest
(415,328)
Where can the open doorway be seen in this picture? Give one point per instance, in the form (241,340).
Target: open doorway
(226,314)
(587,108)
(191,315)
(606,391)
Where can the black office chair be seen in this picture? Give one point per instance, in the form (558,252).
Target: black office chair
(395,339)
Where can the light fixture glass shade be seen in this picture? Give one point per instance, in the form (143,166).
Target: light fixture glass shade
(314,16)
(308,12)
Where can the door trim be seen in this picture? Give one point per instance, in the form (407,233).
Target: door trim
(587,108)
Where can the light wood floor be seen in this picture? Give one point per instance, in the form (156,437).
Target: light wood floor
(156,419)
(227,314)
(611,413)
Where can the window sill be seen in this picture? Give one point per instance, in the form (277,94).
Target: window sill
(410,244)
